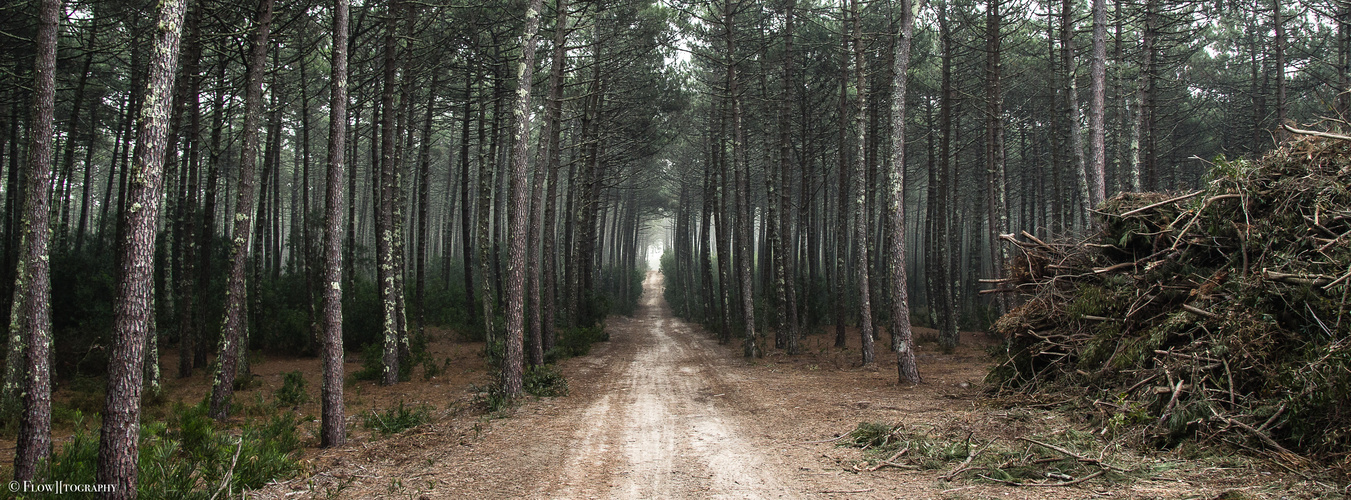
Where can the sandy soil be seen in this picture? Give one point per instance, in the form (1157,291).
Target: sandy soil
(663,411)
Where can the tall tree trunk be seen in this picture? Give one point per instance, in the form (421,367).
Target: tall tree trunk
(1278,21)
(1343,20)
(424,200)
(466,239)
(484,215)
(784,254)
(333,427)
(31,316)
(63,182)
(1097,110)
(82,225)
(941,236)
(133,316)
(207,236)
(1142,162)
(387,269)
(187,210)
(901,338)
(512,370)
(842,187)
(860,227)
(552,137)
(232,340)
(1071,110)
(742,223)
(996,204)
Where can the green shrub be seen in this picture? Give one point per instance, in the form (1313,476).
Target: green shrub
(573,342)
(397,419)
(292,392)
(491,398)
(372,362)
(189,457)
(431,370)
(545,381)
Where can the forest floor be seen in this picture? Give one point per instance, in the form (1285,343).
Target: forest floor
(664,411)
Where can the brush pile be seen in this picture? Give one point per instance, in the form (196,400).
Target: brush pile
(1220,314)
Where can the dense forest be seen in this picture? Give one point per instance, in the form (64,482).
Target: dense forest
(320,177)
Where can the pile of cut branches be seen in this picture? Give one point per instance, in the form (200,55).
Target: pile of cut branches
(1219,314)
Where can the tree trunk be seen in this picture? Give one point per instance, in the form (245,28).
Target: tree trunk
(233,343)
(942,267)
(1278,21)
(133,316)
(466,239)
(31,317)
(901,338)
(187,210)
(996,203)
(333,427)
(484,215)
(842,186)
(424,200)
(1097,110)
(207,236)
(784,251)
(1071,110)
(512,370)
(554,128)
(387,267)
(865,325)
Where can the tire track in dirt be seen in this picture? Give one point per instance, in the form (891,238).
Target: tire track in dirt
(658,429)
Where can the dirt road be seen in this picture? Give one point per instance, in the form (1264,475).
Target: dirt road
(663,411)
(657,426)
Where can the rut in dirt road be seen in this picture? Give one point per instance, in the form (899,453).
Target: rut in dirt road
(656,428)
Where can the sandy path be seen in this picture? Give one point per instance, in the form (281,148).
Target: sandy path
(659,428)
(663,411)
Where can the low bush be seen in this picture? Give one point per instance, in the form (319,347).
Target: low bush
(544,381)
(190,457)
(398,418)
(292,392)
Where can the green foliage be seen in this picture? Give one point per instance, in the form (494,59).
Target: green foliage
(431,370)
(292,391)
(283,316)
(189,457)
(361,314)
(545,381)
(398,418)
(573,342)
(492,398)
(372,362)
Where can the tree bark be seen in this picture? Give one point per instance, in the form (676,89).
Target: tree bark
(552,138)
(232,340)
(386,267)
(784,254)
(134,310)
(860,227)
(1097,110)
(996,189)
(333,427)
(512,363)
(902,340)
(31,319)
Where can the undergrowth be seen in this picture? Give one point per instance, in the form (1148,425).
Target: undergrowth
(397,419)
(1058,458)
(190,456)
